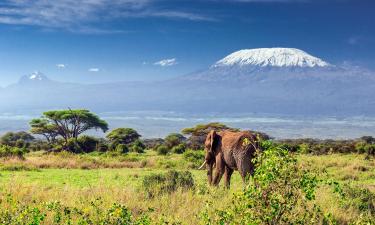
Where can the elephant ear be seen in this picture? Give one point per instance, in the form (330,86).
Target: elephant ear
(213,138)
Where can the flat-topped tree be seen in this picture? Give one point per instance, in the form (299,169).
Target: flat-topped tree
(199,132)
(67,123)
(45,128)
(204,129)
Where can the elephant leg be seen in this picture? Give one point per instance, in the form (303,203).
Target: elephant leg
(227,175)
(219,170)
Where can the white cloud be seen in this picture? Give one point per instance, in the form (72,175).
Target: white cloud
(166,62)
(80,16)
(61,66)
(94,70)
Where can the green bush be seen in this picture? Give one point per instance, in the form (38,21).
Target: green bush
(179,149)
(87,143)
(280,192)
(174,139)
(162,150)
(156,184)
(72,145)
(137,146)
(57,213)
(17,139)
(194,157)
(122,149)
(8,151)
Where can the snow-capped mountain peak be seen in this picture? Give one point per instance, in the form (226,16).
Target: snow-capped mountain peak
(37,76)
(274,57)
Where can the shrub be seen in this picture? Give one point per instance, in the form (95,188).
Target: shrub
(55,212)
(194,157)
(156,184)
(162,150)
(179,149)
(72,145)
(8,151)
(137,146)
(102,146)
(174,139)
(17,139)
(87,143)
(153,143)
(279,193)
(122,149)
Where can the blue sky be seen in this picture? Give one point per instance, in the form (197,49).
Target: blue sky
(111,40)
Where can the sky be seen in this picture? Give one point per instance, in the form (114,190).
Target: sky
(94,41)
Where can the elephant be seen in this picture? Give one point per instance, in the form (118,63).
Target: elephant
(229,151)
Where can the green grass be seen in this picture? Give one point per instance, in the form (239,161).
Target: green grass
(45,178)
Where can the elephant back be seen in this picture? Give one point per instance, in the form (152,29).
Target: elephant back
(243,140)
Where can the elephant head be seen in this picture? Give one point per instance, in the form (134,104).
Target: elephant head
(210,145)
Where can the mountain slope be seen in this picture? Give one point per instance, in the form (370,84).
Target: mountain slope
(263,81)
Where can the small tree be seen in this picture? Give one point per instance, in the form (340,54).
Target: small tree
(124,136)
(17,139)
(174,139)
(199,132)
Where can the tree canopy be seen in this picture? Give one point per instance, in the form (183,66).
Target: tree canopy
(174,139)
(123,136)
(16,139)
(204,129)
(67,123)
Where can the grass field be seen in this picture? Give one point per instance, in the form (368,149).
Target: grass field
(80,181)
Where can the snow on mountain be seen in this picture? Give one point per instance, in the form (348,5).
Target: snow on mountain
(33,78)
(275,57)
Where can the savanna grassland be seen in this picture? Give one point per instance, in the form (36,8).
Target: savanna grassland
(55,187)
(62,176)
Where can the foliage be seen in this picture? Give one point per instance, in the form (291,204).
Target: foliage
(156,184)
(365,145)
(279,193)
(162,150)
(174,139)
(17,139)
(204,129)
(137,146)
(199,132)
(8,151)
(123,136)
(88,143)
(194,157)
(58,213)
(67,123)
(44,127)
(122,148)
(179,149)
(153,143)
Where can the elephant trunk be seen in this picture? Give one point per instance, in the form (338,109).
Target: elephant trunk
(209,172)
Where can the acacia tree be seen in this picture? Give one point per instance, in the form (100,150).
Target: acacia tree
(45,128)
(67,123)
(198,134)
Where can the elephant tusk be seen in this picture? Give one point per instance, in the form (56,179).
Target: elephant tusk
(202,165)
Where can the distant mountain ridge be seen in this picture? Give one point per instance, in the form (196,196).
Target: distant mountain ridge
(263,81)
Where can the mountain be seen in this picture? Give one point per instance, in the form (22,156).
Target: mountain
(284,81)
(271,57)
